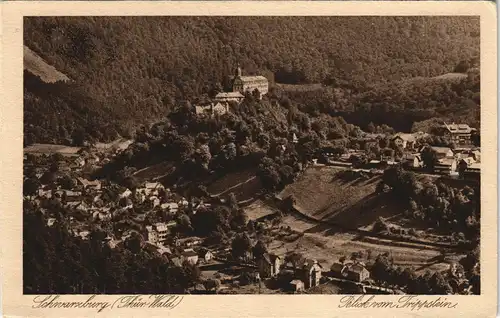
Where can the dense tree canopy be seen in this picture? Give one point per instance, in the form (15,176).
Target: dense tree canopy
(122,79)
(55,261)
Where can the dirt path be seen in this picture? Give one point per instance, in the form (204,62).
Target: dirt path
(235,186)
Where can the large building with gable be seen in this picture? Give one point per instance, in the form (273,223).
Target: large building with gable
(459,134)
(244,84)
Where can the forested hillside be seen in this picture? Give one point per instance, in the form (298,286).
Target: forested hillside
(141,74)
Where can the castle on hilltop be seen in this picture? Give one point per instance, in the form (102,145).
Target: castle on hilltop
(244,84)
(240,85)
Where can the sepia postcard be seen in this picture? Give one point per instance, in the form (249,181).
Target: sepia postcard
(249,159)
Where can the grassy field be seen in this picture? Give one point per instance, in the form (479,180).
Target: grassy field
(37,66)
(259,209)
(245,185)
(322,194)
(51,149)
(327,246)
(451,77)
(119,144)
(299,87)
(154,172)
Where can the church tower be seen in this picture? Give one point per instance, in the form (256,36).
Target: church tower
(237,72)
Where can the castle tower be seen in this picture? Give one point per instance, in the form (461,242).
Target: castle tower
(237,72)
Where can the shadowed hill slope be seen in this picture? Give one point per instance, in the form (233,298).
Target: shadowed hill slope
(139,76)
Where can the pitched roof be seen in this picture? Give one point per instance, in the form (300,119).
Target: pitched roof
(309,263)
(229,95)
(176,261)
(257,78)
(202,109)
(204,252)
(75,204)
(189,253)
(412,156)
(357,268)
(162,250)
(87,183)
(171,223)
(161,227)
(475,166)
(442,150)
(445,162)
(296,282)
(253,78)
(171,206)
(337,267)
(152,185)
(458,128)
(405,137)
(69,193)
(270,258)
(468,160)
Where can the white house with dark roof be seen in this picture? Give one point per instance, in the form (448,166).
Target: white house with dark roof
(357,272)
(126,193)
(190,256)
(473,171)
(151,188)
(78,205)
(311,272)
(445,166)
(441,152)
(158,232)
(269,265)
(413,160)
(297,285)
(404,140)
(86,184)
(171,207)
(51,221)
(206,255)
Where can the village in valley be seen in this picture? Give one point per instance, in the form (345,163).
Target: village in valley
(287,241)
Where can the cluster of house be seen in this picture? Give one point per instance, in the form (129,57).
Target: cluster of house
(350,270)
(76,159)
(307,273)
(193,256)
(463,160)
(89,200)
(458,162)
